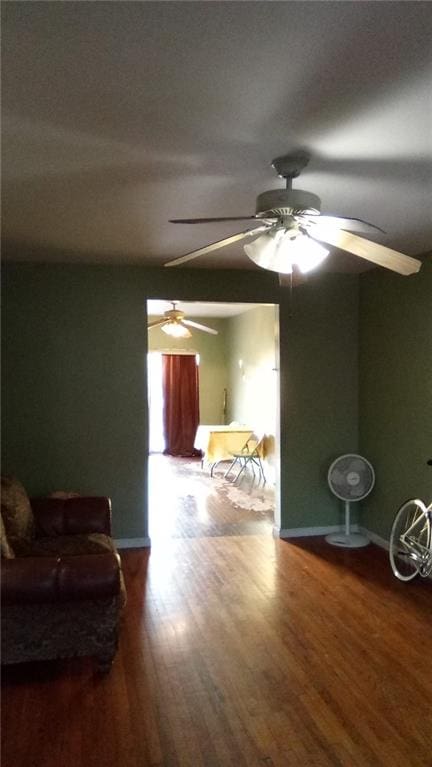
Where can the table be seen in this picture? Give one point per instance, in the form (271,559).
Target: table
(218,442)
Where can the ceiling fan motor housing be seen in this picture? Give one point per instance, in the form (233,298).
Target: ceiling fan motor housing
(174,315)
(286,202)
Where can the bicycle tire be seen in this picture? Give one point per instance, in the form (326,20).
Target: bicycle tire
(412,514)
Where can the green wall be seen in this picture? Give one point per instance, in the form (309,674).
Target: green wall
(319,405)
(213,371)
(74,386)
(396,390)
(252,366)
(73,403)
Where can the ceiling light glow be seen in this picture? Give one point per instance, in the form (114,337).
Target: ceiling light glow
(280,250)
(176,330)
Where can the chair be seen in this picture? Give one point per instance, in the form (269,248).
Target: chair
(62,586)
(250,456)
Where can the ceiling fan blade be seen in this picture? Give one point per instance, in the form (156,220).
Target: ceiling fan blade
(340,222)
(371,251)
(215,246)
(156,323)
(209,220)
(187,334)
(200,327)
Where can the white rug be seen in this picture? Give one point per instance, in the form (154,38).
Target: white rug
(246,494)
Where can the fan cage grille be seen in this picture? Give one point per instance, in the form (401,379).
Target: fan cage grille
(351,477)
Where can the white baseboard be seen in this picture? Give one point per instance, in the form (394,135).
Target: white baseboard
(374,538)
(303,532)
(132,543)
(300,532)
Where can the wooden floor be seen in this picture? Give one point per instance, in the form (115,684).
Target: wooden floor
(240,650)
(186,502)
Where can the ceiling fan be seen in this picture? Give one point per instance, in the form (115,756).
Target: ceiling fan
(293,233)
(174,324)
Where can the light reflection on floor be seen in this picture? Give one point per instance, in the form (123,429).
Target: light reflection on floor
(185,502)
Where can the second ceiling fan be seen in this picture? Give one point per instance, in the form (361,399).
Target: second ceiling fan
(293,234)
(174,324)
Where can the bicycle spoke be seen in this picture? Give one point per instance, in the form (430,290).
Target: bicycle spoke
(409,541)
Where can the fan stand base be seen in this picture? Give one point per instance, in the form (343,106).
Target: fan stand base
(350,541)
(347,539)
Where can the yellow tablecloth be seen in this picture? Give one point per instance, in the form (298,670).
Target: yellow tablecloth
(219,442)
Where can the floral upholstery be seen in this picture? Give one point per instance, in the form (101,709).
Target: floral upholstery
(16,510)
(64,631)
(6,549)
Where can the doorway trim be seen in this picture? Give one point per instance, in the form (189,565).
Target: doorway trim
(270,302)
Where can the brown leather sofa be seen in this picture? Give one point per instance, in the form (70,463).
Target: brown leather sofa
(62,587)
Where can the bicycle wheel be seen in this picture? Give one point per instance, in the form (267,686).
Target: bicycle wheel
(410,535)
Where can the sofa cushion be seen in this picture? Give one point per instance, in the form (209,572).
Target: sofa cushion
(16,510)
(6,549)
(65,545)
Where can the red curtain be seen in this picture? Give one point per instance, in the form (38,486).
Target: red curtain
(181,403)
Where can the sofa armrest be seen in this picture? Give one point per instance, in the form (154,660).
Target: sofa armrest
(34,580)
(28,579)
(72,516)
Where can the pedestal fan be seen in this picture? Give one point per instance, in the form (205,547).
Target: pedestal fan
(351,478)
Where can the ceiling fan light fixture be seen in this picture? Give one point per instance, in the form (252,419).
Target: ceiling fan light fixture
(176,330)
(281,249)
(307,253)
(292,212)
(264,251)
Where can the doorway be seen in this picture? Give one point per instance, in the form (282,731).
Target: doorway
(238,382)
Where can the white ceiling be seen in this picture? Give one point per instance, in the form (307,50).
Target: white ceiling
(199,309)
(118,116)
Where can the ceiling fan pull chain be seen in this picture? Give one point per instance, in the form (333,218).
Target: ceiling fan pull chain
(291,297)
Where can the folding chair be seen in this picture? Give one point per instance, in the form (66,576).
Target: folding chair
(250,456)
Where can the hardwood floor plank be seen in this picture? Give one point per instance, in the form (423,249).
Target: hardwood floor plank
(242,650)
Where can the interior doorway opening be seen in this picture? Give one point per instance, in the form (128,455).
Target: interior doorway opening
(238,392)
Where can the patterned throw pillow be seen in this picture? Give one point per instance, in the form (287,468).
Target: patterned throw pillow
(6,549)
(16,510)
